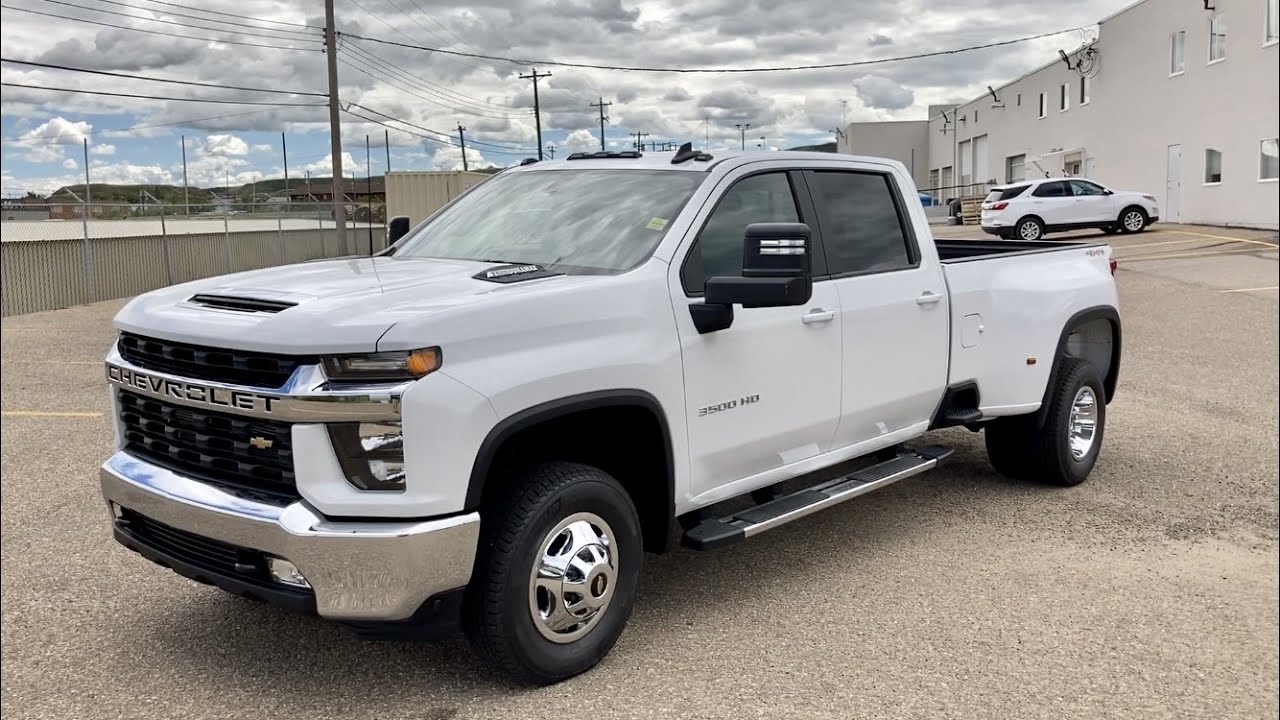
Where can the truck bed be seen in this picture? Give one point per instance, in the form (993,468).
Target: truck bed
(953,251)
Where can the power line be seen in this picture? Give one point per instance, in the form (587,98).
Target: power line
(379,113)
(203,19)
(235,15)
(785,68)
(174,22)
(421,135)
(464,43)
(446,93)
(158,97)
(154,32)
(156,79)
(411,91)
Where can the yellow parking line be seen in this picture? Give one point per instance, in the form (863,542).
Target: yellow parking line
(1185,255)
(41,413)
(1165,242)
(1221,237)
(1273,287)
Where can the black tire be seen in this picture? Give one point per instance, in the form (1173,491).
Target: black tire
(1127,218)
(1024,228)
(497,618)
(1111,230)
(1018,449)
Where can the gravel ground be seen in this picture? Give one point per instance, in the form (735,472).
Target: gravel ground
(1149,591)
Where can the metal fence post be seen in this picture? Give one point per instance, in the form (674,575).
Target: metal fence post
(164,241)
(226,234)
(280,249)
(90,286)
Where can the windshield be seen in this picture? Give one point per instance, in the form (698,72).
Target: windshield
(592,220)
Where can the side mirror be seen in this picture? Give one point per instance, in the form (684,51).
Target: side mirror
(397,228)
(776,272)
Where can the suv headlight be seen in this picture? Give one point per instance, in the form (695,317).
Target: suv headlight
(383,366)
(371,454)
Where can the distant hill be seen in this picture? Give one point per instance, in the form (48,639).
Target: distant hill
(108,193)
(824,147)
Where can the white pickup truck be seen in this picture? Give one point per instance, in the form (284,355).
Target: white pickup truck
(577,362)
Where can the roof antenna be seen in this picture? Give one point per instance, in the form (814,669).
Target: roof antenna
(686,152)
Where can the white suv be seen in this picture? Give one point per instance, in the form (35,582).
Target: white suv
(1028,210)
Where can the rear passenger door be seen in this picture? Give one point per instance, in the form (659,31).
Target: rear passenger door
(1053,203)
(893,306)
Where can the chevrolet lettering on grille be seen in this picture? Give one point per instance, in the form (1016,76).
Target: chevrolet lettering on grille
(190,392)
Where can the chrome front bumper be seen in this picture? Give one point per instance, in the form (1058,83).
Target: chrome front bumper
(360,571)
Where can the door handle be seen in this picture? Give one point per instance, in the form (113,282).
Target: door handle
(928,298)
(818,315)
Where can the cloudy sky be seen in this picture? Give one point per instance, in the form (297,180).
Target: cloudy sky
(273,44)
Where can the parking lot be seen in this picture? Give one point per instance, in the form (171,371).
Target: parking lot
(1148,591)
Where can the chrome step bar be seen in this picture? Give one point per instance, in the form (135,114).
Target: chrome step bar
(742,524)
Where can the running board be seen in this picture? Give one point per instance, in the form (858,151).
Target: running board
(718,532)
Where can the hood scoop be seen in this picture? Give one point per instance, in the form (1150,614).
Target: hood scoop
(240,304)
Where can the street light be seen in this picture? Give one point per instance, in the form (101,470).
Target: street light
(742,128)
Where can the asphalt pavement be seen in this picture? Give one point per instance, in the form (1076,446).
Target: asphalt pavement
(1150,591)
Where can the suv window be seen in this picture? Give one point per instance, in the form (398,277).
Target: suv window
(718,249)
(1006,194)
(862,223)
(1084,187)
(1052,189)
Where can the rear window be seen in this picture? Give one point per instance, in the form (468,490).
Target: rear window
(1006,193)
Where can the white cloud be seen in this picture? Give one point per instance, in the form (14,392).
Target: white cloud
(450,158)
(106,149)
(70,164)
(262,148)
(224,146)
(881,92)
(324,166)
(582,141)
(47,142)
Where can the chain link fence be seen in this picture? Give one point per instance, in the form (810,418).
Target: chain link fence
(62,252)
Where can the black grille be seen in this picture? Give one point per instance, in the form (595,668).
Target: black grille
(250,457)
(206,363)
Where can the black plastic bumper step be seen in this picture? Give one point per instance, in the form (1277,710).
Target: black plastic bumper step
(718,532)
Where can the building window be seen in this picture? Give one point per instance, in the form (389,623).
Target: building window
(1015,168)
(1273,21)
(1177,52)
(1269,159)
(1064,97)
(1043,103)
(1212,166)
(1019,99)
(1217,38)
(1084,91)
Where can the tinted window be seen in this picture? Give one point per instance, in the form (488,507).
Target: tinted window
(861,224)
(718,251)
(1082,187)
(1013,192)
(1051,189)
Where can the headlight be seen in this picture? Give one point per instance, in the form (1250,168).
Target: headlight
(382,367)
(371,454)
(1149,197)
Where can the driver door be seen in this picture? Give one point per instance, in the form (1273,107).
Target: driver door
(763,393)
(1091,204)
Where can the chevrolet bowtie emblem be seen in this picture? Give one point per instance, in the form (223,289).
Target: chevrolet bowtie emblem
(261,443)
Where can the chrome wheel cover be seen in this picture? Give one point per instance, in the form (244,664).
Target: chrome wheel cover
(574,575)
(1029,231)
(1133,221)
(1084,422)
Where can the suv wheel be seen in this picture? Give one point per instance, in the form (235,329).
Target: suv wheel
(556,573)
(1030,229)
(1064,450)
(1133,220)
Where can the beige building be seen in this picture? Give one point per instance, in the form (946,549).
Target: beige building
(1176,98)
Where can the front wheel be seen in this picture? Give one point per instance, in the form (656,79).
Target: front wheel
(556,573)
(1133,220)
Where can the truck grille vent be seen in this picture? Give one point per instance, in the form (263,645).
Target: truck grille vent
(241,304)
(248,457)
(206,363)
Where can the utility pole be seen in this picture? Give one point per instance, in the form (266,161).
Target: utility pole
(706,129)
(601,105)
(742,128)
(284,149)
(368,188)
(463,142)
(551,150)
(386,143)
(537,111)
(186,199)
(639,143)
(335,126)
(844,106)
